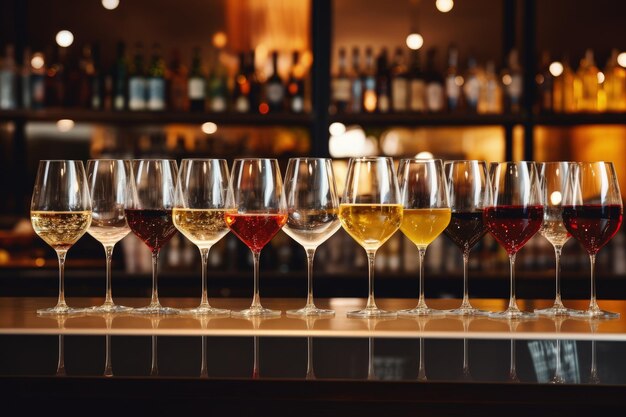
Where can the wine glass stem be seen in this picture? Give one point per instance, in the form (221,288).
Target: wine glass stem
(422,300)
(593,304)
(155,290)
(108,367)
(204,256)
(310,254)
(512,299)
(557,256)
(256,298)
(61,255)
(465,303)
(371,258)
(108,249)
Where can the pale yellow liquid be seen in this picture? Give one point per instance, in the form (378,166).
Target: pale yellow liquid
(60,229)
(204,227)
(370,225)
(422,226)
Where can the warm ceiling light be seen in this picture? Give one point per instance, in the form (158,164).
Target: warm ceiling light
(621,59)
(37,61)
(414,41)
(65,125)
(110,4)
(220,39)
(209,128)
(65,38)
(444,6)
(507,79)
(556,68)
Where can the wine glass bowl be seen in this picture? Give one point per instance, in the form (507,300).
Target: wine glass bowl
(201,204)
(312,206)
(60,213)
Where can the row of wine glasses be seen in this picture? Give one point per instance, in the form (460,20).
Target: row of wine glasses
(463,199)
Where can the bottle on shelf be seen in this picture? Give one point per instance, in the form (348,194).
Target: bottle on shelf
(218,85)
(26,99)
(341,87)
(196,83)
(177,78)
(295,85)
(383,99)
(55,78)
(615,84)
(96,81)
(453,80)
(515,83)
(471,87)
(417,85)
(8,80)
(399,82)
(545,83)
(275,88)
(38,84)
(255,84)
(587,80)
(137,81)
(369,83)
(490,100)
(563,89)
(156,81)
(356,80)
(435,100)
(120,79)
(241,92)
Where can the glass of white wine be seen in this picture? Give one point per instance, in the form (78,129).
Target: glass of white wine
(424,196)
(371,213)
(108,180)
(312,206)
(60,212)
(199,212)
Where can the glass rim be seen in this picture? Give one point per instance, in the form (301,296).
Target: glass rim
(421,160)
(310,158)
(109,159)
(203,159)
(452,161)
(255,159)
(153,159)
(371,158)
(60,160)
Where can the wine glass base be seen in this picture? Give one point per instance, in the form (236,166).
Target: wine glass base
(595,314)
(59,310)
(557,311)
(108,309)
(206,311)
(256,312)
(371,313)
(467,311)
(157,310)
(311,311)
(420,312)
(512,314)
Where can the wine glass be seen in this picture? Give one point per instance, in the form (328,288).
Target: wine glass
(257,211)
(108,183)
(199,214)
(513,214)
(149,214)
(371,212)
(60,212)
(312,206)
(592,213)
(424,196)
(468,187)
(554,176)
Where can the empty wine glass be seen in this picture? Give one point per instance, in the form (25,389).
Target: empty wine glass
(312,206)
(199,214)
(60,212)
(256,212)
(426,213)
(592,213)
(513,214)
(149,214)
(371,212)
(108,184)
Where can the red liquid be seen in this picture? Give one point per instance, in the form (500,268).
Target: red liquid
(255,230)
(513,226)
(153,227)
(466,229)
(592,225)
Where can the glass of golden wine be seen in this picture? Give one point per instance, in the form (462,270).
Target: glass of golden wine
(371,212)
(424,197)
(60,212)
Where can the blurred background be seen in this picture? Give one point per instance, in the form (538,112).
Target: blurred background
(464,79)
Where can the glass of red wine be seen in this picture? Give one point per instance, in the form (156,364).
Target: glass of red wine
(468,187)
(592,213)
(513,214)
(256,211)
(151,197)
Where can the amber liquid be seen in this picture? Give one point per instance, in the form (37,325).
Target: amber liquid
(60,229)
(204,227)
(371,225)
(422,226)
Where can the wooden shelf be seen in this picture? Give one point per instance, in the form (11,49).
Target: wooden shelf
(576,119)
(428,119)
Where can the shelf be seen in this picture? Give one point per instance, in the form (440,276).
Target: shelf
(576,119)
(428,119)
(164,117)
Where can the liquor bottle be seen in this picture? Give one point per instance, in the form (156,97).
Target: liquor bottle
(399,82)
(196,83)
(615,84)
(218,85)
(156,81)
(356,80)
(38,85)
(569,87)
(255,84)
(25,83)
(341,85)
(471,87)
(587,75)
(274,87)
(8,80)
(514,87)
(96,80)
(82,78)
(137,81)
(74,82)
(55,79)
(120,79)
(177,78)
(295,85)
(241,92)
(545,84)
(369,83)
(490,100)
(453,86)
(383,83)
(417,85)
(434,84)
